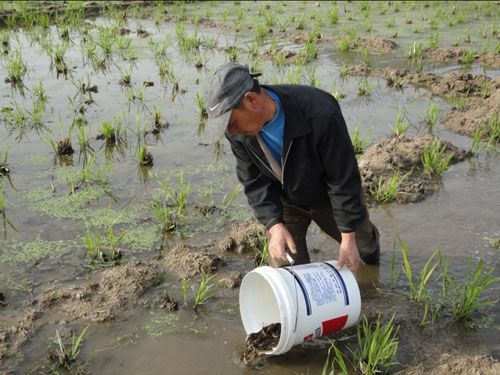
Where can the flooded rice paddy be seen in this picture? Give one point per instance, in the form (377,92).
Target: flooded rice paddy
(117,241)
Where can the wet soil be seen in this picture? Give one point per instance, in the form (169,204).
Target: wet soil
(476,115)
(243,237)
(404,155)
(189,261)
(451,55)
(260,342)
(116,289)
(231,280)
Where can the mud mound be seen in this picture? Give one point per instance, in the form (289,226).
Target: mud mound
(243,237)
(491,59)
(451,84)
(461,83)
(403,155)
(451,55)
(117,287)
(378,45)
(466,365)
(443,54)
(303,36)
(189,261)
(231,280)
(478,113)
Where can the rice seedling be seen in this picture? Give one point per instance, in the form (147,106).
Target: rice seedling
(67,353)
(163,215)
(261,250)
(125,76)
(415,51)
(434,159)
(401,124)
(431,118)
(300,23)
(377,346)
(203,292)
(467,57)
(359,144)
(40,93)
(419,288)
(466,298)
(385,191)
(143,156)
(227,200)
(364,87)
(200,102)
(83,139)
(20,120)
(337,361)
(390,22)
(112,131)
(457,101)
(103,248)
(3,205)
(260,34)
(106,39)
(310,50)
(16,68)
(343,71)
(434,40)
(337,93)
(365,56)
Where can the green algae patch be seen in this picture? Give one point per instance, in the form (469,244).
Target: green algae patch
(17,252)
(141,237)
(64,207)
(163,325)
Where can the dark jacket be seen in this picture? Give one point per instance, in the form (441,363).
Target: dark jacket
(318,162)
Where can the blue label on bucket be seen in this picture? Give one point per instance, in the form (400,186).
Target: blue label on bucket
(303,288)
(341,280)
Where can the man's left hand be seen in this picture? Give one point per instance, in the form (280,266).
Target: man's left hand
(348,252)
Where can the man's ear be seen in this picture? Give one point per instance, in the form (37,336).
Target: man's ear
(251,100)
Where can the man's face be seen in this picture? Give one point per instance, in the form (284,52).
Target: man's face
(247,118)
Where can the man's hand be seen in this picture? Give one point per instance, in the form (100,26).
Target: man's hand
(348,252)
(280,241)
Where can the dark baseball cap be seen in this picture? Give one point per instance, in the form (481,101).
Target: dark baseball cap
(223,92)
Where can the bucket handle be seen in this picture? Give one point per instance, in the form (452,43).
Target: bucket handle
(296,295)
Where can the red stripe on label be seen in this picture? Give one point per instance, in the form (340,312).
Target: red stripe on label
(309,337)
(334,325)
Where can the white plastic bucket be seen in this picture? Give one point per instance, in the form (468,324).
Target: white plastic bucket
(309,300)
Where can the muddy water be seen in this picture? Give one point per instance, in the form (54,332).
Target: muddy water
(457,219)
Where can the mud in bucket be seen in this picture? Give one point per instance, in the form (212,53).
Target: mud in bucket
(308,300)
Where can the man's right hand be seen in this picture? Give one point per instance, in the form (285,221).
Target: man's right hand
(280,241)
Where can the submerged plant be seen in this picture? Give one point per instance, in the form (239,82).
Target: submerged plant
(66,354)
(434,160)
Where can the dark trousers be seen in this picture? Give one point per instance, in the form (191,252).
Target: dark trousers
(297,221)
